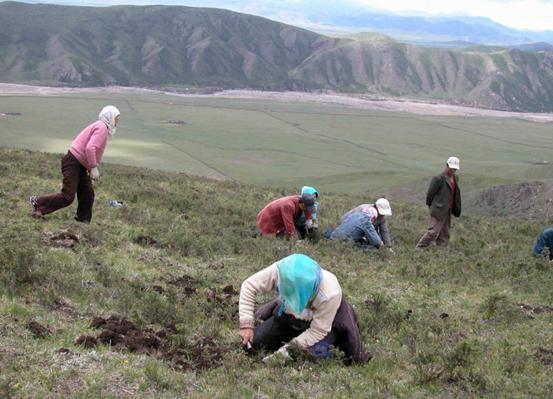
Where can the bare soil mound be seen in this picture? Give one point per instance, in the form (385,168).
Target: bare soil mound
(121,334)
(524,200)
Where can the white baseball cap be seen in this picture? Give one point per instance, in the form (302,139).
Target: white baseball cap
(383,207)
(453,163)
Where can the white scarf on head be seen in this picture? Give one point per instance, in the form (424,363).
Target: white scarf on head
(108,115)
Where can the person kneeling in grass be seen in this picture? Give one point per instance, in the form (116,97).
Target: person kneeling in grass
(280,217)
(310,311)
(365,225)
(78,167)
(545,240)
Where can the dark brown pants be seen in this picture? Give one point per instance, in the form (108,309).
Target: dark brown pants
(438,230)
(75,181)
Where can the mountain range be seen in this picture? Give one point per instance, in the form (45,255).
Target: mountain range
(351,16)
(162,46)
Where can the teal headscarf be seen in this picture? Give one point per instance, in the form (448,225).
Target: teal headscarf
(311,191)
(299,280)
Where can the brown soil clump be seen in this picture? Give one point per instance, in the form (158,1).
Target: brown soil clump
(38,330)
(204,353)
(88,341)
(545,356)
(66,308)
(186,283)
(62,239)
(121,334)
(539,309)
(145,241)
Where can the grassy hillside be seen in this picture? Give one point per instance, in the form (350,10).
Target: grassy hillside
(272,143)
(187,48)
(473,321)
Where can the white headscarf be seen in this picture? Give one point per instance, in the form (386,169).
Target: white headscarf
(370,211)
(108,115)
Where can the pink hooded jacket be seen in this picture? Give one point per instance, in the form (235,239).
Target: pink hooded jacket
(88,147)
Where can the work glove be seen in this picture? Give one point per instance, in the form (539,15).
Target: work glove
(282,353)
(309,223)
(94,173)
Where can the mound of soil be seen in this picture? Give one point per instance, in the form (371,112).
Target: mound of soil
(121,334)
(65,307)
(204,353)
(545,356)
(37,329)
(145,241)
(61,239)
(539,309)
(186,283)
(88,341)
(524,200)
(223,304)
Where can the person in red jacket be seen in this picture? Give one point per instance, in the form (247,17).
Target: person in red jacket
(279,217)
(79,167)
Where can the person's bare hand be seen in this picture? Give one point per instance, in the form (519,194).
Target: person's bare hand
(247,335)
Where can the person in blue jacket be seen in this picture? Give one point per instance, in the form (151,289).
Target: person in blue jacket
(358,225)
(545,240)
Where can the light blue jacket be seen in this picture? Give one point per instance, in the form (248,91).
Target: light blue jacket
(357,226)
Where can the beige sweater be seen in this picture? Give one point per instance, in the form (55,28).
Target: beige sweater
(321,313)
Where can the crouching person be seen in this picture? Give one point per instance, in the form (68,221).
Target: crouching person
(366,226)
(279,218)
(309,312)
(544,240)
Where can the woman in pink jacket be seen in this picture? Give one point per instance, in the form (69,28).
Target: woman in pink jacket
(79,167)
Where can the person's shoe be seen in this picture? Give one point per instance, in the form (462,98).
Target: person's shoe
(35,213)
(78,219)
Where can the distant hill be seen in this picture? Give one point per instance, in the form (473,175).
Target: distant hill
(183,46)
(353,16)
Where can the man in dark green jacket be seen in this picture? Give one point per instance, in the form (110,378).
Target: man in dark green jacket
(444,199)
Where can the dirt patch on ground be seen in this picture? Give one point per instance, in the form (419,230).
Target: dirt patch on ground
(121,334)
(62,239)
(185,283)
(524,200)
(224,304)
(545,356)
(37,329)
(201,354)
(145,241)
(66,308)
(536,310)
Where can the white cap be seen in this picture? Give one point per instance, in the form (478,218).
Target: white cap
(453,163)
(383,207)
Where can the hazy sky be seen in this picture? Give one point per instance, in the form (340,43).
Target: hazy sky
(521,14)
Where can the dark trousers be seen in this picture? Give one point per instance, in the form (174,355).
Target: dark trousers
(75,181)
(279,330)
(276,331)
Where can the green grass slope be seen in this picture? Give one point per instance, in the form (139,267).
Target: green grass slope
(440,323)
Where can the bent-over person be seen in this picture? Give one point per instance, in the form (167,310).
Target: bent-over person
(310,311)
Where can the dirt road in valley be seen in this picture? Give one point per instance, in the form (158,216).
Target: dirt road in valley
(354,102)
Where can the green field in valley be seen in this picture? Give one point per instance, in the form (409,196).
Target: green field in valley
(277,144)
